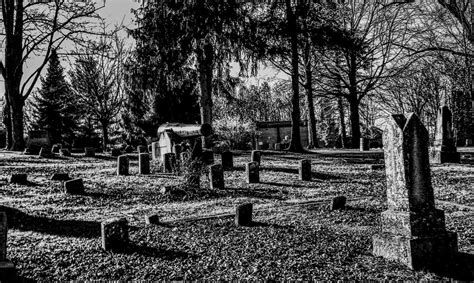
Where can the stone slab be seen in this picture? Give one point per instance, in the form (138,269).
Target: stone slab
(338,203)
(18,178)
(60,177)
(74,187)
(114,234)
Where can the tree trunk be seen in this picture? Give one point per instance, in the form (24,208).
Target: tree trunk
(205,57)
(16,112)
(342,123)
(105,135)
(7,121)
(355,120)
(295,144)
(312,136)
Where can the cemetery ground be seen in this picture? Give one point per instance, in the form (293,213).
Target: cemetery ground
(56,236)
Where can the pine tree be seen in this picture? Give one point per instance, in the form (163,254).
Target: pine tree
(53,104)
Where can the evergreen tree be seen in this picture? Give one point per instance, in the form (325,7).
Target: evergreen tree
(53,107)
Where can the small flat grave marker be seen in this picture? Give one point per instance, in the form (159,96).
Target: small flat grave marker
(18,178)
(60,177)
(74,187)
(338,203)
(114,234)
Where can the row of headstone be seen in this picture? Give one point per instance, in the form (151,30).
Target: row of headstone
(123,164)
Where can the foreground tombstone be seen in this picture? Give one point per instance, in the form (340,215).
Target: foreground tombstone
(444,150)
(144,163)
(227,160)
(243,214)
(256,156)
(122,165)
(7,268)
(18,178)
(114,234)
(413,230)
(216,177)
(169,162)
(251,171)
(74,187)
(304,170)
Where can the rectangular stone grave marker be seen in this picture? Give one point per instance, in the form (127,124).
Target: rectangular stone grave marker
(144,163)
(60,177)
(338,203)
(227,160)
(169,163)
(216,177)
(89,152)
(155,151)
(256,156)
(122,165)
(114,234)
(18,178)
(7,268)
(251,171)
(152,219)
(444,148)
(413,231)
(304,170)
(243,214)
(45,152)
(74,187)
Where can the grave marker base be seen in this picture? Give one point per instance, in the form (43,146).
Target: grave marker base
(428,252)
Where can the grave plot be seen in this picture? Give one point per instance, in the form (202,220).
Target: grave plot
(56,236)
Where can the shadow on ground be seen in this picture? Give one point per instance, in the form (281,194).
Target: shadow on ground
(161,253)
(255,193)
(22,221)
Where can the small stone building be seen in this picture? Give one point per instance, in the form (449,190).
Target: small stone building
(270,133)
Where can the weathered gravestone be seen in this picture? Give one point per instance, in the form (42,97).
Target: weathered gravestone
(18,178)
(251,171)
(216,177)
(143,163)
(122,165)
(114,234)
(413,230)
(169,163)
(444,149)
(304,170)
(227,160)
(256,156)
(74,187)
(243,214)
(7,268)
(89,152)
(155,151)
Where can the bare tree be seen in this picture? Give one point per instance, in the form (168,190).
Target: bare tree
(34,28)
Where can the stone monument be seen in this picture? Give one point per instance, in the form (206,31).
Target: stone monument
(444,148)
(413,231)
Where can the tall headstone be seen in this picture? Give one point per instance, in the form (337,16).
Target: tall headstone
(304,170)
(444,148)
(169,162)
(216,177)
(251,171)
(7,268)
(256,156)
(413,231)
(243,214)
(227,160)
(114,234)
(122,165)
(143,163)
(155,151)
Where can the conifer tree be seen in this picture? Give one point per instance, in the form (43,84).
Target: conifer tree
(53,104)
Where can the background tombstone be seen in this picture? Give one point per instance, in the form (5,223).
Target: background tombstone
(141,149)
(216,177)
(277,146)
(18,178)
(364,144)
(122,165)
(56,148)
(7,268)
(207,156)
(256,156)
(89,152)
(155,151)
(251,172)
(169,163)
(143,163)
(413,230)
(304,170)
(444,150)
(114,234)
(227,160)
(45,152)
(243,214)
(65,152)
(74,187)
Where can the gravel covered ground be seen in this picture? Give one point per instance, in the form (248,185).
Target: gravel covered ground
(54,236)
